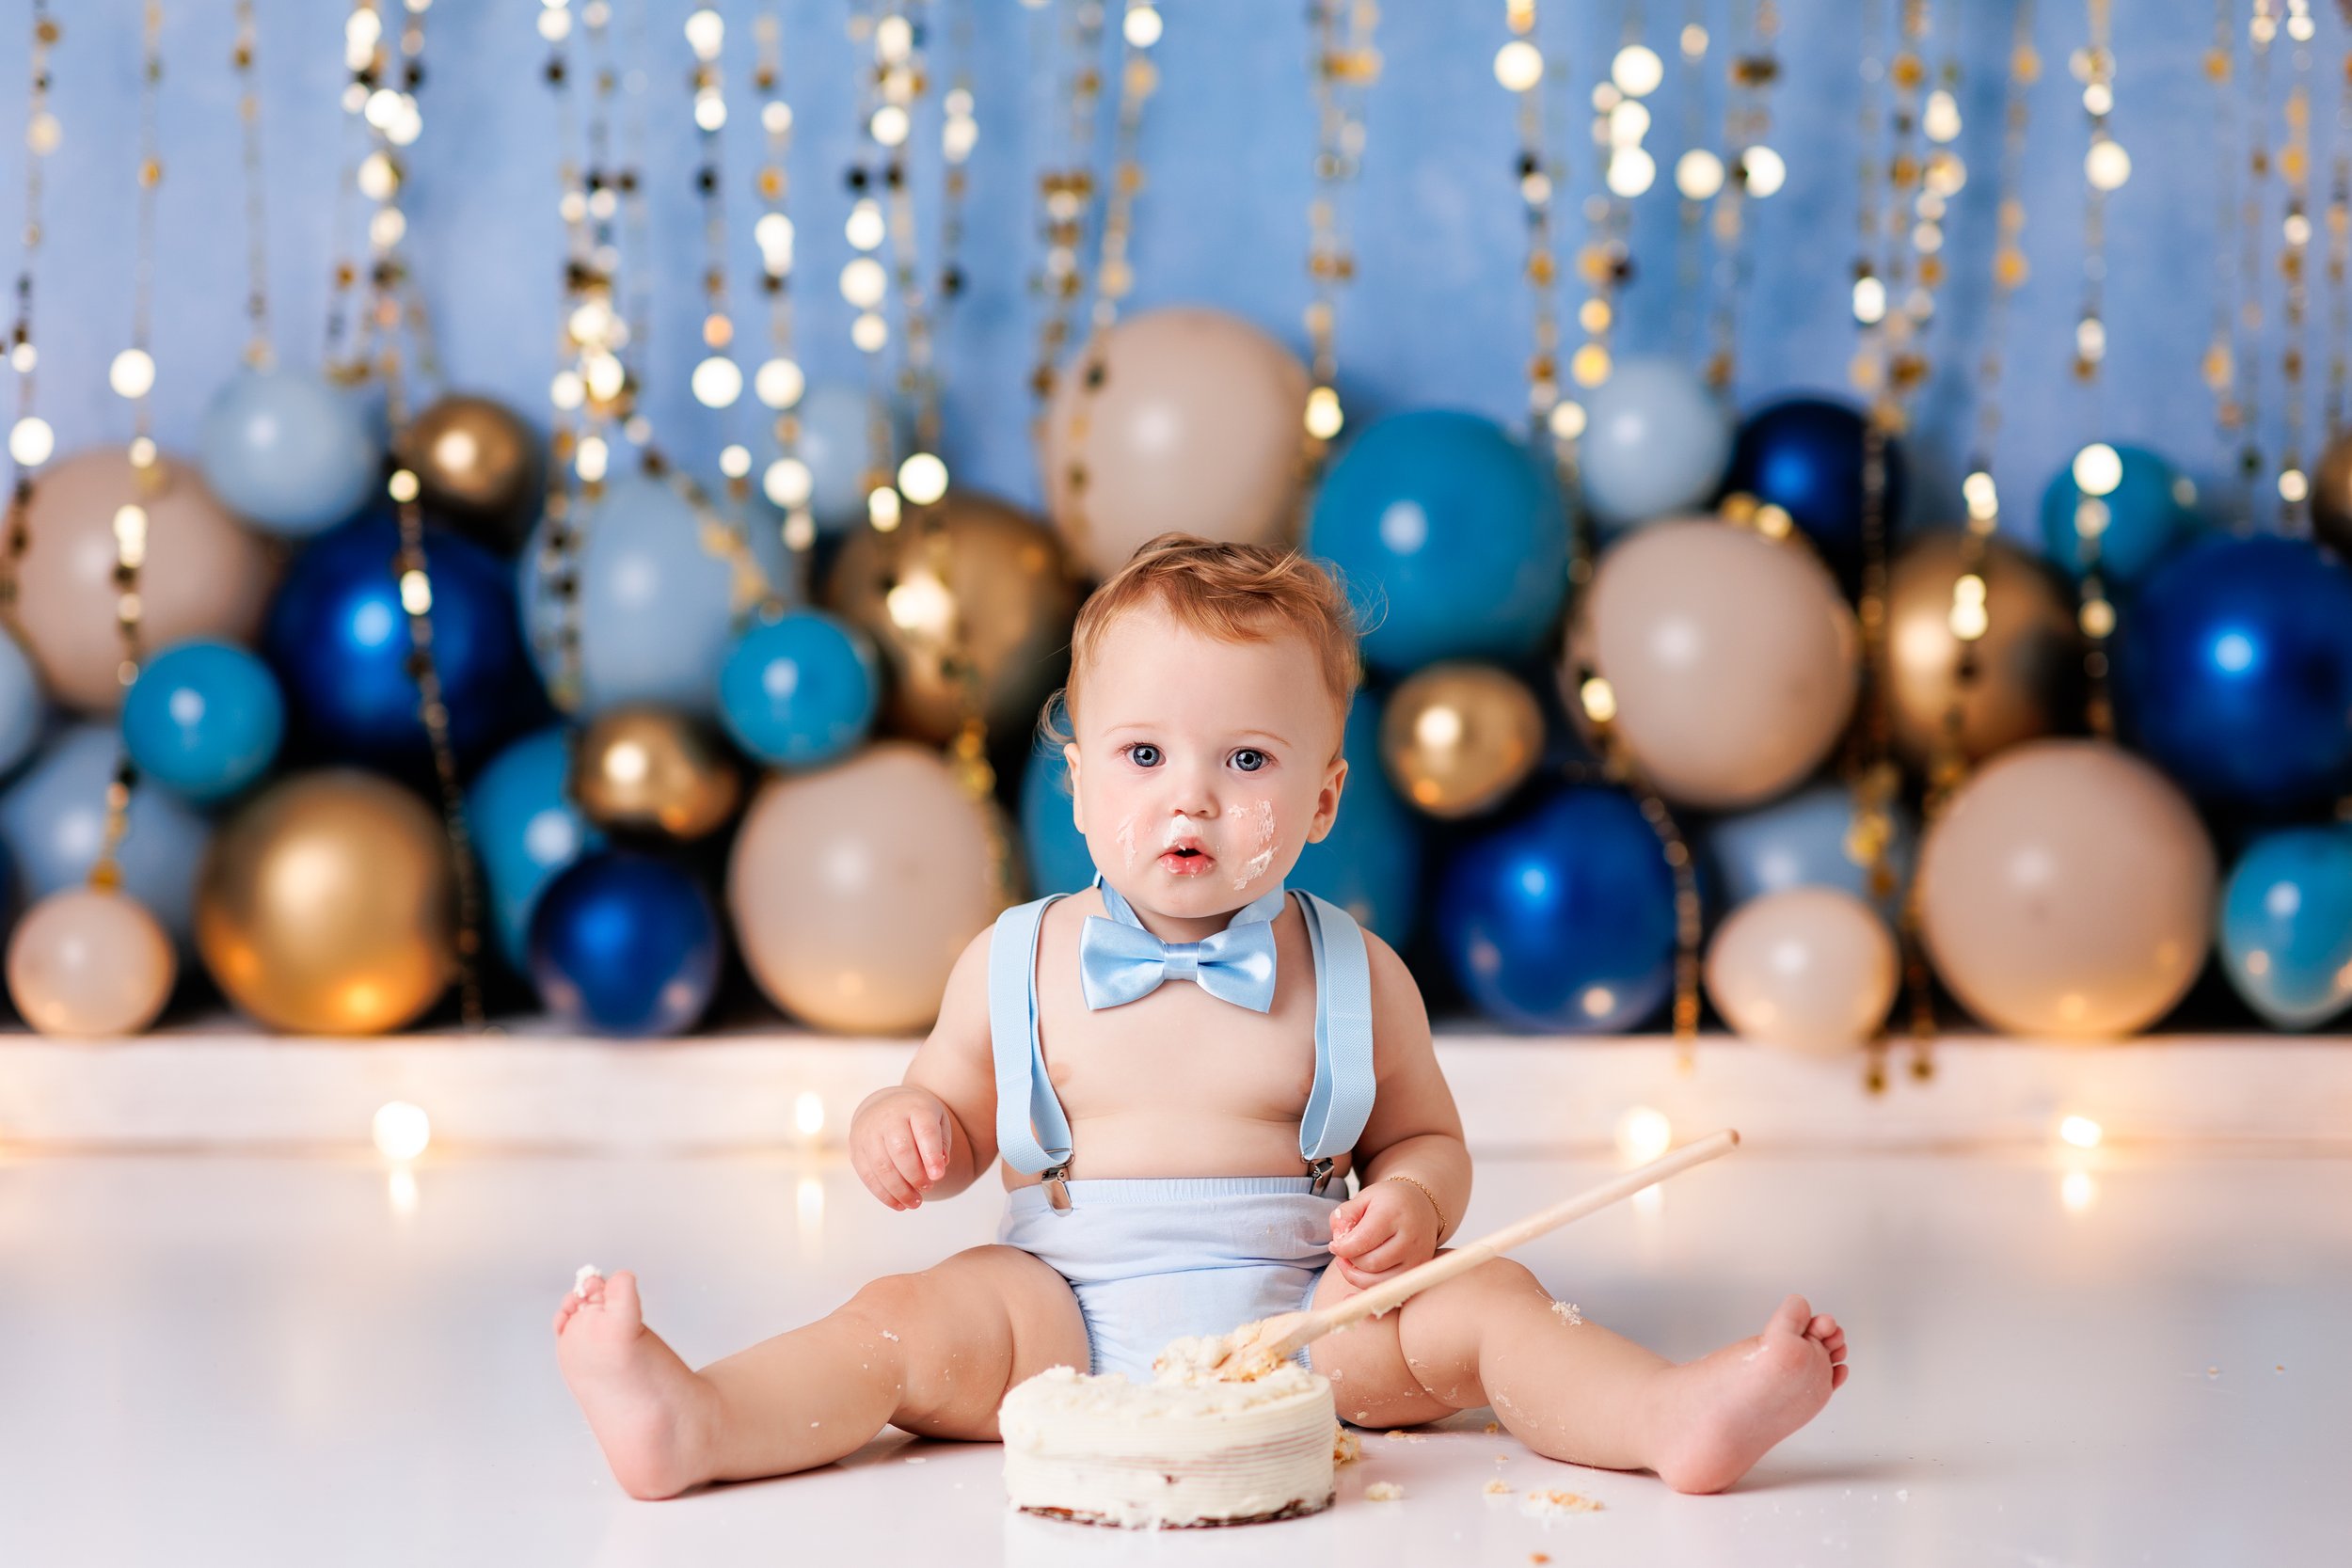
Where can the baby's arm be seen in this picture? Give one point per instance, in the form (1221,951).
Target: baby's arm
(1412,1170)
(934,1133)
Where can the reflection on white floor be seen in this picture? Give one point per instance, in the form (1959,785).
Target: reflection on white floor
(2080,1359)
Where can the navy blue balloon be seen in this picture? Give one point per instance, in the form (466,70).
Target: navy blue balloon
(1051,844)
(2286,925)
(203,719)
(1451,537)
(338,638)
(1805,456)
(626,944)
(2148,511)
(526,828)
(2235,672)
(1564,918)
(1368,864)
(800,691)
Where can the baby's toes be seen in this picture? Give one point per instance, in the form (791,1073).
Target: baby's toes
(1837,1375)
(1836,1345)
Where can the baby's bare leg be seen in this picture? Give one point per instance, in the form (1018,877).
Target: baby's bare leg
(932,1352)
(1572,1390)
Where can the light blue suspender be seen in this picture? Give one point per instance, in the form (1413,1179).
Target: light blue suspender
(1032,1132)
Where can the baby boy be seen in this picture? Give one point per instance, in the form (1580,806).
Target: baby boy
(1179,1069)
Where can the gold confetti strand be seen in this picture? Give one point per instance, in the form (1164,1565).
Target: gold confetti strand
(1340,70)
(30,439)
(1065,198)
(556,567)
(1690,215)
(780,383)
(2096,469)
(2261,32)
(2218,367)
(1751,170)
(2339,244)
(257,352)
(2293,482)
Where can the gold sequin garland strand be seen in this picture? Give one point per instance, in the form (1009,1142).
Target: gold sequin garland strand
(1519,67)
(1749,169)
(2097,469)
(1066,198)
(30,440)
(2219,366)
(257,352)
(1341,70)
(2295,174)
(133,377)
(780,383)
(883,126)
(2340,244)
(717,379)
(395,123)
(345,360)
(2262,30)
(1690,179)
(578,322)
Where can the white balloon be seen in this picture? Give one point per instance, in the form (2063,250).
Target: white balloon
(1812,970)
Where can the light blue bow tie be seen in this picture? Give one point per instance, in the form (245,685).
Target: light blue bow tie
(1119,961)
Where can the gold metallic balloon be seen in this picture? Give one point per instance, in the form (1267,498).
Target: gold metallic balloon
(2331,496)
(1458,738)
(2027,653)
(325,904)
(647,770)
(88,962)
(993,588)
(478,463)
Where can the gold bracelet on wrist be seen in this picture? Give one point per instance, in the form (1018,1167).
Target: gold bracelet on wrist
(1426,1192)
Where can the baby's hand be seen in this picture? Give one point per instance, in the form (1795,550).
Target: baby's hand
(898,1144)
(1387,1226)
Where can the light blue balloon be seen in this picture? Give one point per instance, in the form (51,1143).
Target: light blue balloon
(2151,508)
(656,609)
(1368,864)
(527,831)
(838,443)
(2286,925)
(22,704)
(1051,844)
(55,821)
(204,719)
(1799,841)
(287,452)
(800,689)
(1656,442)
(1450,536)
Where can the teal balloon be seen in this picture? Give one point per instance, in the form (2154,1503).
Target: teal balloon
(55,821)
(1450,536)
(204,719)
(1799,841)
(23,703)
(1656,442)
(526,830)
(287,452)
(1369,863)
(1051,845)
(656,607)
(2150,510)
(2286,925)
(837,446)
(801,690)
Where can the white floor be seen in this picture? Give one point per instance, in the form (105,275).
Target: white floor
(263,1360)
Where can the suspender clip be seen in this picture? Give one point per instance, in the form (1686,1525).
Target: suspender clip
(1056,1179)
(1321,1171)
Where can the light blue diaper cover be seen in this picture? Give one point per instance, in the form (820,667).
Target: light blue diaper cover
(1155,1259)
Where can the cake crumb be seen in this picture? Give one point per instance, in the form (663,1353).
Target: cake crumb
(2281,1368)
(2212,1372)
(1497,1488)
(1384,1492)
(1539,1557)
(1493,1427)
(1552,1502)
(1567,1312)
(917,1459)
(1407,1436)
(1346,1449)
(1902,1494)
(888,1335)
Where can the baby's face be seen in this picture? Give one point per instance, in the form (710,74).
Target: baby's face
(1200,768)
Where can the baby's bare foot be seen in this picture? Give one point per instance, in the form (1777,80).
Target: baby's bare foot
(652,1414)
(1730,1408)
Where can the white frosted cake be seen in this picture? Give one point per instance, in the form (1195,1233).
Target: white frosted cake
(1175,1453)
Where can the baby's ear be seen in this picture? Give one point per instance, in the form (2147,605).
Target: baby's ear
(1070,760)
(1327,802)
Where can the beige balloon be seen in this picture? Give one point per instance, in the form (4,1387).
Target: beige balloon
(1811,970)
(1733,660)
(2067,891)
(855,888)
(90,962)
(1180,419)
(204,574)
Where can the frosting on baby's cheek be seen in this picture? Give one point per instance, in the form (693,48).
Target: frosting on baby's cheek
(1127,841)
(1263,829)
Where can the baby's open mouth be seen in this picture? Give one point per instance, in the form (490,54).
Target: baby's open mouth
(1187,859)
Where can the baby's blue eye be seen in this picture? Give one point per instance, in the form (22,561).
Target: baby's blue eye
(1144,755)
(1249,761)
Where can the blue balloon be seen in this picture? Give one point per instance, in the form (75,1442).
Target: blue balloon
(2149,511)
(527,830)
(1656,441)
(1051,844)
(204,719)
(1450,536)
(837,447)
(55,820)
(801,690)
(2286,925)
(23,705)
(1564,918)
(2233,669)
(1368,864)
(1805,456)
(626,944)
(338,637)
(287,452)
(1799,841)
(655,603)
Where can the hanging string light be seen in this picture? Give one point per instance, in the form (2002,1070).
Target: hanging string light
(30,439)
(1749,168)
(779,383)
(1341,73)
(2097,469)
